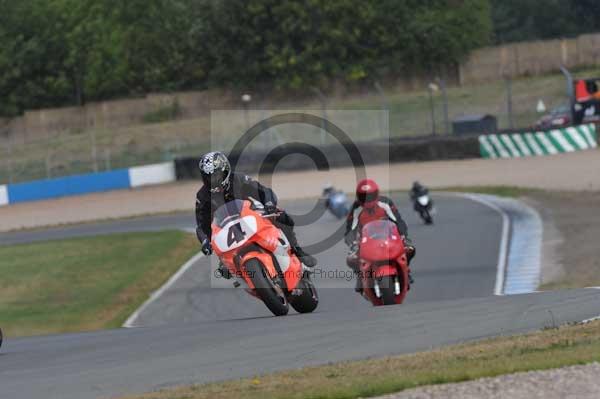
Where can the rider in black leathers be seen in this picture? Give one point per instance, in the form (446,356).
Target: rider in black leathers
(417,190)
(222,185)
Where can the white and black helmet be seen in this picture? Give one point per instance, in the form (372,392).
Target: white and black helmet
(216,170)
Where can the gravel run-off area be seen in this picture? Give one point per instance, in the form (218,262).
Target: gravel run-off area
(576,382)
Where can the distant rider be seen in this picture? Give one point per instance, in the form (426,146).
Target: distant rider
(221,185)
(417,190)
(367,207)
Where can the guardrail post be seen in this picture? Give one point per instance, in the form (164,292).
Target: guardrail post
(509,101)
(430,88)
(445,100)
(9,165)
(323,101)
(386,107)
(94,149)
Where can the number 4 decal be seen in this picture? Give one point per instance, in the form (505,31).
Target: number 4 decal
(235,234)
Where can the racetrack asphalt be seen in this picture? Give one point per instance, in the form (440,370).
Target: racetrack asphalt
(196,334)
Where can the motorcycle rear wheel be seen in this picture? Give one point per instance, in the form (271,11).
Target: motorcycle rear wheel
(271,294)
(308,300)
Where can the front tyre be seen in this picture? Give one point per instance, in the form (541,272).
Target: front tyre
(426,216)
(387,289)
(306,300)
(269,292)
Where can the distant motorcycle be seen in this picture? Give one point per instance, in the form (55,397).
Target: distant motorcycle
(259,255)
(423,205)
(382,262)
(336,202)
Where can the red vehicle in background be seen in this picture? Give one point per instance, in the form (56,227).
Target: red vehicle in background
(586,107)
(383,263)
(259,256)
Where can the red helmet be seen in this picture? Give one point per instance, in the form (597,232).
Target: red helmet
(367,192)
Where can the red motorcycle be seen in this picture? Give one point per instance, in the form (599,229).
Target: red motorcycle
(383,263)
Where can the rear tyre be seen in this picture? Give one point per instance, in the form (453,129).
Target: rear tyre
(308,300)
(426,216)
(270,293)
(386,287)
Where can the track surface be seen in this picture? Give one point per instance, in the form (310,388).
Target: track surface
(213,334)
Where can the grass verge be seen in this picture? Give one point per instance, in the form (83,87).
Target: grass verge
(85,283)
(568,345)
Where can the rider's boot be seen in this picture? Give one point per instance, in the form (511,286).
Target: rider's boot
(304,257)
(358,288)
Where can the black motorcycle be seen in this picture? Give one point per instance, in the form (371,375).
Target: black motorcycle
(423,205)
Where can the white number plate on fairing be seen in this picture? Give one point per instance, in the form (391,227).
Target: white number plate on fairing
(235,233)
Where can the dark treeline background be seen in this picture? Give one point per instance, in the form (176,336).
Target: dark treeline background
(520,20)
(65,52)
(61,52)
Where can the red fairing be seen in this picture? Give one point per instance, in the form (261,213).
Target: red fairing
(386,270)
(382,254)
(381,241)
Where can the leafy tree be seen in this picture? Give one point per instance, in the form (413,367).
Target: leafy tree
(58,52)
(521,20)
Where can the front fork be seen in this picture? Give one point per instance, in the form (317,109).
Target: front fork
(377,289)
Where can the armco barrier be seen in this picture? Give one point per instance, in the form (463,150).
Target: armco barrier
(89,183)
(292,156)
(152,174)
(549,142)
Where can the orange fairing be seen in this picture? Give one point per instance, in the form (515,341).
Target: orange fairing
(240,230)
(264,258)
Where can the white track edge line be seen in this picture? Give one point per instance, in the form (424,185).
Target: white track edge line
(503,254)
(130,322)
(590,320)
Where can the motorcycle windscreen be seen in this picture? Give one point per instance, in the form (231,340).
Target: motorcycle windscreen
(380,241)
(380,230)
(227,212)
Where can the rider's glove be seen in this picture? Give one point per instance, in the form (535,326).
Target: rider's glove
(270,208)
(206,247)
(410,248)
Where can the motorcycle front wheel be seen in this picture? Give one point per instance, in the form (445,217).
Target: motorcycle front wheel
(386,287)
(270,293)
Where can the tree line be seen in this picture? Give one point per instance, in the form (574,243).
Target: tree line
(68,52)
(521,20)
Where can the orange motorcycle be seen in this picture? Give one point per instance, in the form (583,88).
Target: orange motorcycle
(259,256)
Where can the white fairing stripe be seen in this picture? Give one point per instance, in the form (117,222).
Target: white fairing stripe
(388,210)
(355,216)
(3,196)
(248,225)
